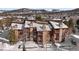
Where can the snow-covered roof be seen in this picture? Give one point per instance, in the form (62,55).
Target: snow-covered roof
(28,24)
(42,27)
(57,19)
(31,18)
(1,18)
(38,26)
(19,16)
(57,25)
(16,26)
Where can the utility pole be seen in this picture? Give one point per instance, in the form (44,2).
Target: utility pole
(24,38)
(24,48)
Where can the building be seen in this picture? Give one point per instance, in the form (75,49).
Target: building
(18,29)
(42,33)
(31,18)
(28,30)
(58,31)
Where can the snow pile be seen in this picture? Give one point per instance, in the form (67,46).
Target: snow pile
(4,39)
(31,44)
(58,45)
(76,36)
(0,45)
(6,46)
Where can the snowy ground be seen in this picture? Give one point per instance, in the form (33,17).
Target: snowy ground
(32,46)
(76,36)
(8,47)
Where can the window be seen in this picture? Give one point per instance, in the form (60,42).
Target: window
(20,32)
(57,36)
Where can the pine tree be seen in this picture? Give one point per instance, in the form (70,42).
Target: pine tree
(77,23)
(39,18)
(70,25)
(12,37)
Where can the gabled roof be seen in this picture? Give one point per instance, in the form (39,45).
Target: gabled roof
(28,24)
(16,26)
(57,19)
(31,18)
(39,26)
(57,25)
(42,27)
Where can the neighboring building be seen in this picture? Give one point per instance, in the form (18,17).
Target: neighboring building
(18,28)
(42,33)
(57,30)
(38,32)
(23,29)
(31,18)
(28,30)
(18,20)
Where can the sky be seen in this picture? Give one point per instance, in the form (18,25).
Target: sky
(38,8)
(37,4)
(8,8)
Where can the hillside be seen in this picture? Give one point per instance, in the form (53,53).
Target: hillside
(37,11)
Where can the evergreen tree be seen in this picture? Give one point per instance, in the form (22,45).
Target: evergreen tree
(77,23)
(39,18)
(1,24)
(12,37)
(8,22)
(70,25)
